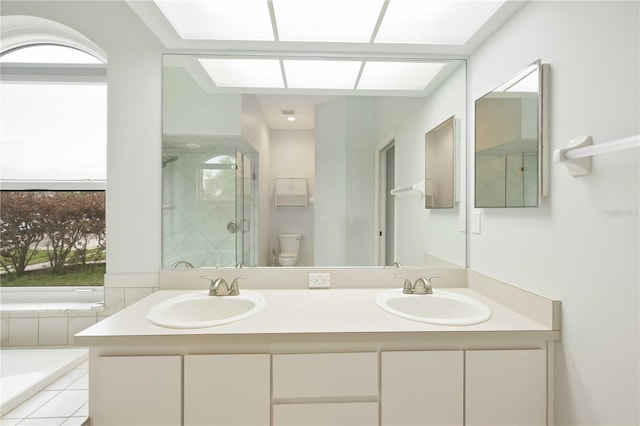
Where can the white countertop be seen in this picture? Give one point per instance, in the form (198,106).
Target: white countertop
(334,313)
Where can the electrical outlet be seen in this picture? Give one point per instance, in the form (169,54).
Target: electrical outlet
(319,280)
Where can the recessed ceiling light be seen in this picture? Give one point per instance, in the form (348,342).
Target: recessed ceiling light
(398,75)
(219,20)
(289,114)
(257,73)
(326,20)
(319,74)
(434,21)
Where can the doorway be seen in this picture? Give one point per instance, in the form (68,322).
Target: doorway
(386,177)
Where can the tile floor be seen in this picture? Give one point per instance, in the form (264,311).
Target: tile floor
(63,402)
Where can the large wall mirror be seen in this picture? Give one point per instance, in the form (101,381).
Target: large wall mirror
(510,145)
(235,129)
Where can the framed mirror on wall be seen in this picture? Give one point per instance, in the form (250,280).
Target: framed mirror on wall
(440,166)
(511,150)
(230,218)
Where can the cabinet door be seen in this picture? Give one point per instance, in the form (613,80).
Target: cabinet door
(136,390)
(505,387)
(322,414)
(422,388)
(283,186)
(298,187)
(227,389)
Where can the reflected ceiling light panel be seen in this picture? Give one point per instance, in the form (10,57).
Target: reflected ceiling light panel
(317,74)
(434,21)
(259,73)
(219,20)
(326,20)
(398,75)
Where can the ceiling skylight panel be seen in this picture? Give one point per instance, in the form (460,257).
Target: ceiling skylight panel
(219,20)
(318,74)
(327,20)
(258,73)
(434,21)
(398,75)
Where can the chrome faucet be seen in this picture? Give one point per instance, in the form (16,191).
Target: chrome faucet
(219,286)
(421,286)
(407,288)
(425,285)
(182,262)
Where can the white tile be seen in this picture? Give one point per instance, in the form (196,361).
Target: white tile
(23,331)
(64,404)
(81,383)
(9,422)
(53,314)
(49,421)
(83,411)
(76,325)
(53,331)
(32,404)
(85,364)
(23,314)
(4,331)
(73,313)
(68,379)
(113,301)
(75,421)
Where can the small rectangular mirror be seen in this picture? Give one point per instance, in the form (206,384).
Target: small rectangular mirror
(510,142)
(439,167)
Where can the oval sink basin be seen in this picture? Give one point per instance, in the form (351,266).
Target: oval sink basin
(441,307)
(199,310)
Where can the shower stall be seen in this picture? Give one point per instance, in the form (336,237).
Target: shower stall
(209,211)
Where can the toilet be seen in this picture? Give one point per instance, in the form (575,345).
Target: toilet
(289,248)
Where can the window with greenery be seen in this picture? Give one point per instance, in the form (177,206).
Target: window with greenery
(53,167)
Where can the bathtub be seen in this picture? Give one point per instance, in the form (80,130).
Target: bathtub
(24,372)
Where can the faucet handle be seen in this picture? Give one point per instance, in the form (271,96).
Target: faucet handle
(234,290)
(214,286)
(426,286)
(430,277)
(407,288)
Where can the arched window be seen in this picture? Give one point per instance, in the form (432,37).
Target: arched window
(53,115)
(219,178)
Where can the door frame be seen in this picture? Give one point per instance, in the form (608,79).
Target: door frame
(380,214)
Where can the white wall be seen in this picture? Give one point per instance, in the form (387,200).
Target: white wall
(581,245)
(292,156)
(187,109)
(330,193)
(439,229)
(360,185)
(256,131)
(345,176)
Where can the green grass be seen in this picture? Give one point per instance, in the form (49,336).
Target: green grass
(73,275)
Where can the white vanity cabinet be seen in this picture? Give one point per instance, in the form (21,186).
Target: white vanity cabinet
(422,388)
(227,389)
(136,390)
(325,388)
(506,387)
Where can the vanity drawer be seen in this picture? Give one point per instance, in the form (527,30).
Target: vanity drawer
(325,375)
(344,414)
